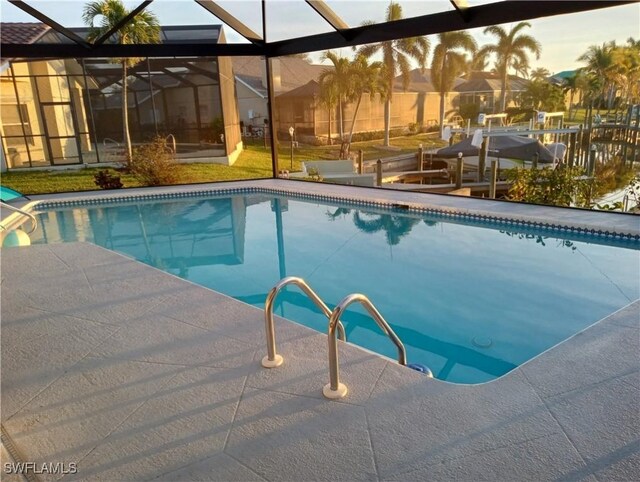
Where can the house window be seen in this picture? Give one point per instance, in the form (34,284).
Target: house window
(13,125)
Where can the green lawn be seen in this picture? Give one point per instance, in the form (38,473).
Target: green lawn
(254,162)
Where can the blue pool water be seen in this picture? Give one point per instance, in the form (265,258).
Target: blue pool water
(471,302)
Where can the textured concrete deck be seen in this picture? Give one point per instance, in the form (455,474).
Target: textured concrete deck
(134,374)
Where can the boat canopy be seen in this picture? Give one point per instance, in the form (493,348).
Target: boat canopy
(512,147)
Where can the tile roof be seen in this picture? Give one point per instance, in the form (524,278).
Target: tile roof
(419,82)
(489,82)
(309,89)
(294,72)
(21,32)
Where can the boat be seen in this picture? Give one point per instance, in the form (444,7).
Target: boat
(508,151)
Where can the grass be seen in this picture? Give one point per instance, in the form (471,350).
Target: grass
(254,162)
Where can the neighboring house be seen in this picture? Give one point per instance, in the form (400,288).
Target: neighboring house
(418,104)
(288,73)
(560,79)
(483,89)
(38,125)
(65,112)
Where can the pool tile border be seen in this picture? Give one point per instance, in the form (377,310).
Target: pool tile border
(451,213)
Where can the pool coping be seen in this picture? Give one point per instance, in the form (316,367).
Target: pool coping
(456,208)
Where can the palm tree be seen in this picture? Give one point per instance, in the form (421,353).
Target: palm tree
(328,99)
(521,68)
(599,60)
(448,62)
(540,74)
(365,78)
(339,80)
(141,29)
(511,50)
(396,55)
(572,84)
(625,71)
(479,62)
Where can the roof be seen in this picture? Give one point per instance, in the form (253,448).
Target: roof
(565,74)
(21,32)
(309,89)
(561,77)
(420,81)
(489,82)
(294,72)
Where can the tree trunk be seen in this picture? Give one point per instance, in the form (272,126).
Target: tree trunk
(442,94)
(341,126)
(503,93)
(387,122)
(330,139)
(353,123)
(571,93)
(125,115)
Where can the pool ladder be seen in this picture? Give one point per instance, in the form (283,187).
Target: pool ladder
(34,220)
(334,389)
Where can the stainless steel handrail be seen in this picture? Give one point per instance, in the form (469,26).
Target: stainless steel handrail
(335,389)
(112,141)
(272,359)
(34,221)
(173,142)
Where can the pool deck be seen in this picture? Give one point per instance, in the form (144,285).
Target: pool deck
(135,374)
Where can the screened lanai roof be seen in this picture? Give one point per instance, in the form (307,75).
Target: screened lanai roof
(276,27)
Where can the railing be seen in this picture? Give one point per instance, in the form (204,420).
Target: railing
(273,359)
(34,221)
(335,389)
(173,142)
(110,141)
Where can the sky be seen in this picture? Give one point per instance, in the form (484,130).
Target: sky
(563,38)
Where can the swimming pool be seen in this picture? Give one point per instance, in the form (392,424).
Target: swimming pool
(470,300)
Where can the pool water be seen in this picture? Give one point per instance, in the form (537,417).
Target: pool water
(471,302)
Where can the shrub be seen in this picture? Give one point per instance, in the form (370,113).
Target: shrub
(153,164)
(563,186)
(106,180)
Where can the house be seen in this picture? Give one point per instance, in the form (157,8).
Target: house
(571,99)
(69,112)
(483,89)
(419,104)
(288,73)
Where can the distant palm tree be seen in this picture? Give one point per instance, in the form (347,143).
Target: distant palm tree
(449,61)
(599,61)
(328,99)
(510,50)
(337,79)
(625,72)
(633,43)
(540,74)
(572,84)
(521,68)
(141,29)
(396,55)
(365,78)
(479,62)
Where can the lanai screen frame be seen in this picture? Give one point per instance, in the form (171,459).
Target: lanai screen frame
(461,18)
